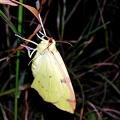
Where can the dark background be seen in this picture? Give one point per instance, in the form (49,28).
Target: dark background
(92,62)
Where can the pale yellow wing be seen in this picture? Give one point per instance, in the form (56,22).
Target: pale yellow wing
(67,101)
(48,79)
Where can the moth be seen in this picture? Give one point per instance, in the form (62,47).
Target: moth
(51,78)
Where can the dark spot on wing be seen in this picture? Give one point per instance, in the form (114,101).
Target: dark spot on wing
(50,76)
(63,81)
(42,86)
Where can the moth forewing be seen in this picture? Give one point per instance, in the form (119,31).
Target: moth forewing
(70,95)
(65,103)
(46,74)
(62,65)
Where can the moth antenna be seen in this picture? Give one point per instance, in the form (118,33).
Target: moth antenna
(65,42)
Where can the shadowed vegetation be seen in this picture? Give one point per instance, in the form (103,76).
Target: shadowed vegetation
(93,60)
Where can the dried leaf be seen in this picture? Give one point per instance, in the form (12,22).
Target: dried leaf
(16,3)
(8,2)
(30,8)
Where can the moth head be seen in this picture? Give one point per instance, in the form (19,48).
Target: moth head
(51,43)
(47,43)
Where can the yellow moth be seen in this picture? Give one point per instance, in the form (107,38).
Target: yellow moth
(51,79)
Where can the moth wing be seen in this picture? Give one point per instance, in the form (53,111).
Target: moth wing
(52,80)
(63,67)
(67,102)
(48,79)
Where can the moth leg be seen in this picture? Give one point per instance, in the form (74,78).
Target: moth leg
(42,24)
(41,34)
(30,54)
(29,49)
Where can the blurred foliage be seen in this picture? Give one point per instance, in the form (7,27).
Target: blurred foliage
(92,27)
